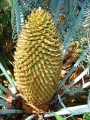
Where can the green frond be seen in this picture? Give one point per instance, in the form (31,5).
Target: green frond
(19,11)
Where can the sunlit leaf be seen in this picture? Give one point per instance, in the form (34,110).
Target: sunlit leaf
(58,117)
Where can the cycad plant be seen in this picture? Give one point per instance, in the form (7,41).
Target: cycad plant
(52,53)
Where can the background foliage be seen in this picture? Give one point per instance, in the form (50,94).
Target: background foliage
(5,21)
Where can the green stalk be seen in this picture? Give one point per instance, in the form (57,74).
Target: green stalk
(76,96)
(6,71)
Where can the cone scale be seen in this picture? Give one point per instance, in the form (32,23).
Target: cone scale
(37,61)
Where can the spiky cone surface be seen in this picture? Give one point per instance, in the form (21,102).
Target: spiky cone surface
(38,61)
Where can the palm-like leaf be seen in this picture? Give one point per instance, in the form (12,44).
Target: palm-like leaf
(84,25)
(20,9)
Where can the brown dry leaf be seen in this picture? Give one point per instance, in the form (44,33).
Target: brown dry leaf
(79,118)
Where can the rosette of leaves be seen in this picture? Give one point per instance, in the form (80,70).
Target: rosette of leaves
(38,61)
